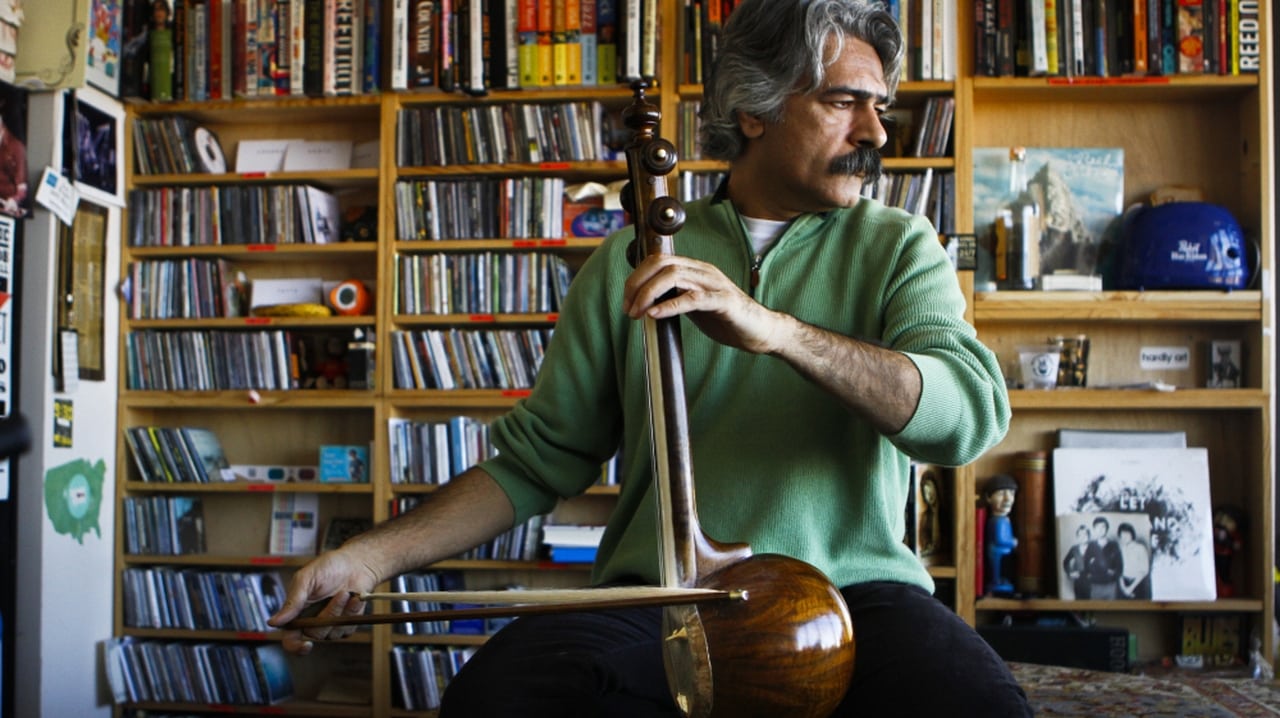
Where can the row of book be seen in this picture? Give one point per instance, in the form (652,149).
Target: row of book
(520,543)
(198,50)
(506,133)
(478,45)
(421,674)
(201,600)
(482,283)
(933,130)
(1112,38)
(165,145)
(928,31)
(432,452)
(159,525)
(215,360)
(232,214)
(929,194)
(213,674)
(431,581)
(190,288)
(186,454)
(467,358)
(484,208)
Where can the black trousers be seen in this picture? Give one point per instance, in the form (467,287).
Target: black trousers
(914,657)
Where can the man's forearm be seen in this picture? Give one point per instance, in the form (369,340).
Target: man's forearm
(880,384)
(467,511)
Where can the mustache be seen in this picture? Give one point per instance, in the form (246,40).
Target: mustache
(863,162)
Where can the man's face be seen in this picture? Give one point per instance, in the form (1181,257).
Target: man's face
(1099,532)
(811,160)
(1001,501)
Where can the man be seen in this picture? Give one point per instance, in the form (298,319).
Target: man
(1073,564)
(1102,562)
(824,342)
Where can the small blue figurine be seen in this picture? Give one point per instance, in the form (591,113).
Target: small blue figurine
(1000,492)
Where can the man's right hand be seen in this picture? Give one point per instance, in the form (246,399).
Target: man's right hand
(338,576)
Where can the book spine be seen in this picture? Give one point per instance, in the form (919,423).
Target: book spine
(398,67)
(559,43)
(589,50)
(573,41)
(297,47)
(546,43)
(251,58)
(371,56)
(340,76)
(180,63)
(1032,516)
(216,31)
(1005,32)
(649,38)
(1051,37)
(1247,36)
(446,43)
(503,66)
(477,35)
(607,41)
(268,63)
(1139,36)
(313,47)
(1190,36)
(282,54)
(421,65)
(527,32)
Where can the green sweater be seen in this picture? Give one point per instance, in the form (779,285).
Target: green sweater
(777,462)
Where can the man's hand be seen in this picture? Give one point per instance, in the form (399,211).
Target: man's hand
(338,576)
(715,304)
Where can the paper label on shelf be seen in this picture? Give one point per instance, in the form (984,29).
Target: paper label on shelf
(1156,358)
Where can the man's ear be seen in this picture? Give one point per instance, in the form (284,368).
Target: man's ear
(752,127)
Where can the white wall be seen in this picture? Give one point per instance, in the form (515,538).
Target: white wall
(64,593)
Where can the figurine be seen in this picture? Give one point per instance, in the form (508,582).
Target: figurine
(1227,542)
(999,492)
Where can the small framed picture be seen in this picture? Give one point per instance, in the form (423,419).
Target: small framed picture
(1225,367)
(102,63)
(98,146)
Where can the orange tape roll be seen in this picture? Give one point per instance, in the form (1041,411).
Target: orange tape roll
(350,298)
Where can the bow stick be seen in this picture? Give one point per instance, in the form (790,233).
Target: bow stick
(519,603)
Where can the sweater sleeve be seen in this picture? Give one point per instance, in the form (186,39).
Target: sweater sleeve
(964,404)
(553,442)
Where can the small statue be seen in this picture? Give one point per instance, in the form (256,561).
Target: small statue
(999,493)
(1227,542)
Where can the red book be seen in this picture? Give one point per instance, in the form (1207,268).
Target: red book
(979,549)
(215,49)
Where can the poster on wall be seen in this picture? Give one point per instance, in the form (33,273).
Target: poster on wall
(15,188)
(8,245)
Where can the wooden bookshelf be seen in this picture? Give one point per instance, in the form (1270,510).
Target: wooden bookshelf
(1216,132)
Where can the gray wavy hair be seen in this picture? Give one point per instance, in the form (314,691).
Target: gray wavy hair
(771,49)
